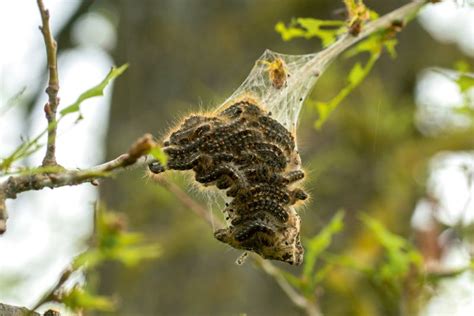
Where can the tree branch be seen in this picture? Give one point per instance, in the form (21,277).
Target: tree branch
(59,177)
(186,200)
(310,307)
(53,86)
(9,310)
(325,57)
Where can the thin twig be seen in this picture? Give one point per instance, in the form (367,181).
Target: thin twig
(53,85)
(186,200)
(53,294)
(14,185)
(310,307)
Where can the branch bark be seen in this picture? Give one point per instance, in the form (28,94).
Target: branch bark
(10,310)
(14,185)
(53,85)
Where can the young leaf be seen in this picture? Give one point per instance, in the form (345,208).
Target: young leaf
(326,30)
(355,77)
(465,82)
(317,244)
(400,254)
(95,91)
(159,154)
(78,299)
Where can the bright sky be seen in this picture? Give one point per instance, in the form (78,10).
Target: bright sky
(45,228)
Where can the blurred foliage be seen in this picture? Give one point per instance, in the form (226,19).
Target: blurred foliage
(315,249)
(78,300)
(112,242)
(328,30)
(109,242)
(400,264)
(400,254)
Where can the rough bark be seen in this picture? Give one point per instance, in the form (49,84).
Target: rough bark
(9,310)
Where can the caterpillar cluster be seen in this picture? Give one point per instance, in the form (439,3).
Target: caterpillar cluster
(251,156)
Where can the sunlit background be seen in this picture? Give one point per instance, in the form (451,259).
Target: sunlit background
(46,229)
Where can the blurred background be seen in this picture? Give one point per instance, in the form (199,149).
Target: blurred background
(396,149)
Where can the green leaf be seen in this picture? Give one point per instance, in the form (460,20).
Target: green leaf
(324,109)
(12,101)
(321,274)
(462,66)
(131,256)
(385,237)
(25,149)
(95,91)
(292,279)
(159,154)
(89,259)
(288,33)
(326,30)
(465,110)
(400,254)
(374,45)
(78,299)
(465,82)
(356,75)
(318,28)
(319,243)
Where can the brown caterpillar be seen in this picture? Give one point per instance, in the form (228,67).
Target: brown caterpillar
(251,156)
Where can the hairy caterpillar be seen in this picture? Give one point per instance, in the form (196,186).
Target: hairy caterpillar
(245,152)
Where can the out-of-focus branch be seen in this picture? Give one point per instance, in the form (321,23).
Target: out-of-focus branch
(185,199)
(53,85)
(60,177)
(54,294)
(310,307)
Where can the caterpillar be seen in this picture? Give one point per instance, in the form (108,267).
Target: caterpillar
(243,151)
